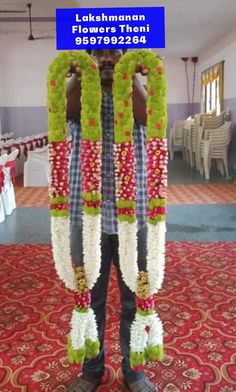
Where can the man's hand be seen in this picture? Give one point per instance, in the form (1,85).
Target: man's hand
(73,91)
(141,69)
(74,70)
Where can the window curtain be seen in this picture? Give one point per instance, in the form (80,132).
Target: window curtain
(208,76)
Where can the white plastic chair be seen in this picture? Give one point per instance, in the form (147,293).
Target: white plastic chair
(176,138)
(219,146)
(213,122)
(194,145)
(3,159)
(36,168)
(187,144)
(214,146)
(17,146)
(8,193)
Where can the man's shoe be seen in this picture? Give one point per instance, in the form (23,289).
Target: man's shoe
(80,384)
(143,385)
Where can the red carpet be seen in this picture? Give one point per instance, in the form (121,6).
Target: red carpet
(197,305)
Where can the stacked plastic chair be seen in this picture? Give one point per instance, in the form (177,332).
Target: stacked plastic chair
(213,122)
(214,145)
(176,138)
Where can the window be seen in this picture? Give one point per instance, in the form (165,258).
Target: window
(212,82)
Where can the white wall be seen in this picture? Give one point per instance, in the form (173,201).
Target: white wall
(176,79)
(24,66)
(224,49)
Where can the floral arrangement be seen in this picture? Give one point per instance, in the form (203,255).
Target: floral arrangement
(83,341)
(146,331)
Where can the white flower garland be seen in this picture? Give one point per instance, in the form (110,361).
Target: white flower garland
(156,255)
(140,338)
(83,326)
(92,247)
(60,229)
(128,253)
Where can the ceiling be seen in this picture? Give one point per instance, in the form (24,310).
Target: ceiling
(192,26)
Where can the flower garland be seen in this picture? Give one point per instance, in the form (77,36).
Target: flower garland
(144,345)
(146,331)
(83,340)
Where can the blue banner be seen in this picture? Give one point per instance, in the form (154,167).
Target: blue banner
(110,28)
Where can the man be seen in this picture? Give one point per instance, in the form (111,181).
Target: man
(93,369)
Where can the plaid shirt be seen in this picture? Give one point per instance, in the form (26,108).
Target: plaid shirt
(109,214)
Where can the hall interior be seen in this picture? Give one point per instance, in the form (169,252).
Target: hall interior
(197,301)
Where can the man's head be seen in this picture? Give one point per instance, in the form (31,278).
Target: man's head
(106,60)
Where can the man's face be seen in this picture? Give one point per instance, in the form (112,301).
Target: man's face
(106,60)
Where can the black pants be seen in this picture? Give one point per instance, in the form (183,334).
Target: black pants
(109,245)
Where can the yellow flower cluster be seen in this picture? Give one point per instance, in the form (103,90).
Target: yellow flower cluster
(143,288)
(81,284)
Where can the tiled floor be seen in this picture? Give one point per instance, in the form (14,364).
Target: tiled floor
(198,210)
(185,186)
(202,194)
(177,194)
(181,173)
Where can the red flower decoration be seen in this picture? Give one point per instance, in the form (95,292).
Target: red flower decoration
(94,66)
(145,304)
(154,212)
(158,126)
(92,203)
(82,300)
(149,111)
(92,122)
(59,155)
(125,75)
(156,166)
(127,133)
(64,206)
(125,172)
(90,166)
(159,70)
(126,103)
(151,91)
(138,368)
(53,83)
(127,211)
(120,115)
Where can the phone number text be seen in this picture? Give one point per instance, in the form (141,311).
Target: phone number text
(121,40)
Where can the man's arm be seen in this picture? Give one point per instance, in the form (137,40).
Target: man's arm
(139,101)
(73,97)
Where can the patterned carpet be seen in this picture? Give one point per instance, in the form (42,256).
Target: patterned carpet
(177,194)
(197,305)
